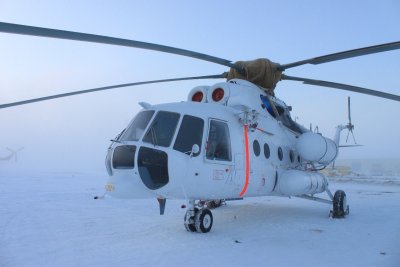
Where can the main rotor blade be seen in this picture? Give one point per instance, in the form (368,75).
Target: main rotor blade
(77,36)
(107,88)
(343,87)
(345,54)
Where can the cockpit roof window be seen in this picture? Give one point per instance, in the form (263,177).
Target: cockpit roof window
(137,127)
(162,129)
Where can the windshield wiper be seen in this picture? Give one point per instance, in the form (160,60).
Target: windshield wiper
(116,139)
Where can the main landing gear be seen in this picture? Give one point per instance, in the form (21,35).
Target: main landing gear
(338,201)
(340,207)
(198,218)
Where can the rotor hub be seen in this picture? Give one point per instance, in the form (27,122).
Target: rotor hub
(261,72)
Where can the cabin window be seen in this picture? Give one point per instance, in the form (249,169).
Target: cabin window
(137,127)
(267,152)
(190,133)
(291,156)
(162,129)
(256,148)
(280,154)
(219,142)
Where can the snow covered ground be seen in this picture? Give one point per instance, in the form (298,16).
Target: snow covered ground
(51,219)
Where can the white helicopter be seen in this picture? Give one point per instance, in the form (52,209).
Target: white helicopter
(231,140)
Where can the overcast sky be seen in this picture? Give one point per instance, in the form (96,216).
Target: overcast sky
(73,133)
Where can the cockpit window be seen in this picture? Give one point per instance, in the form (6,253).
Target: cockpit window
(190,133)
(162,129)
(137,127)
(219,142)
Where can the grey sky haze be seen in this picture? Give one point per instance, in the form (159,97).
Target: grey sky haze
(73,133)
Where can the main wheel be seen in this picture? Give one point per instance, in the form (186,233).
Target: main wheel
(203,221)
(340,207)
(189,222)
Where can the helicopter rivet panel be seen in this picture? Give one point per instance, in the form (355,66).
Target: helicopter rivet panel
(314,147)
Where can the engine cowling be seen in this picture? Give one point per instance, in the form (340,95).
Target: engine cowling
(315,148)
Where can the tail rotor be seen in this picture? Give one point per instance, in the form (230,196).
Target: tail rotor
(350,126)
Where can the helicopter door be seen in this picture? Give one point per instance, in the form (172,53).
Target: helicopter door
(219,151)
(218,142)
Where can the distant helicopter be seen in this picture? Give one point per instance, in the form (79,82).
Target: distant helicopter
(13,154)
(231,140)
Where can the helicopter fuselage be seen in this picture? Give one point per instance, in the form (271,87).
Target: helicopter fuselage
(216,148)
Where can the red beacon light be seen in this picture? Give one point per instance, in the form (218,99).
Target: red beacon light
(218,94)
(198,96)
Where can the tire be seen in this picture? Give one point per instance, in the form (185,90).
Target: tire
(203,221)
(190,227)
(340,208)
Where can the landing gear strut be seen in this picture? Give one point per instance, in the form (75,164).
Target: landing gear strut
(338,201)
(198,220)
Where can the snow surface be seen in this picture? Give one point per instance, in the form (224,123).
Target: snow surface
(51,219)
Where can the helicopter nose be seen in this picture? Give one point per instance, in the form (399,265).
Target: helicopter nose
(124,179)
(136,171)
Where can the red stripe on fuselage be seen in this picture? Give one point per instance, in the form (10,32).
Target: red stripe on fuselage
(246,145)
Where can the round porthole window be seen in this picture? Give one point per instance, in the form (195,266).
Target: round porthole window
(280,154)
(267,152)
(256,148)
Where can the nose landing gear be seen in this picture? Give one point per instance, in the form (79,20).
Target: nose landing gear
(198,220)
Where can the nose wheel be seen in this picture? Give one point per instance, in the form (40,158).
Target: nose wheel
(203,221)
(198,220)
(190,220)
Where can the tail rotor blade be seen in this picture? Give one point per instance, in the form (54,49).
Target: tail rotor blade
(354,139)
(348,108)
